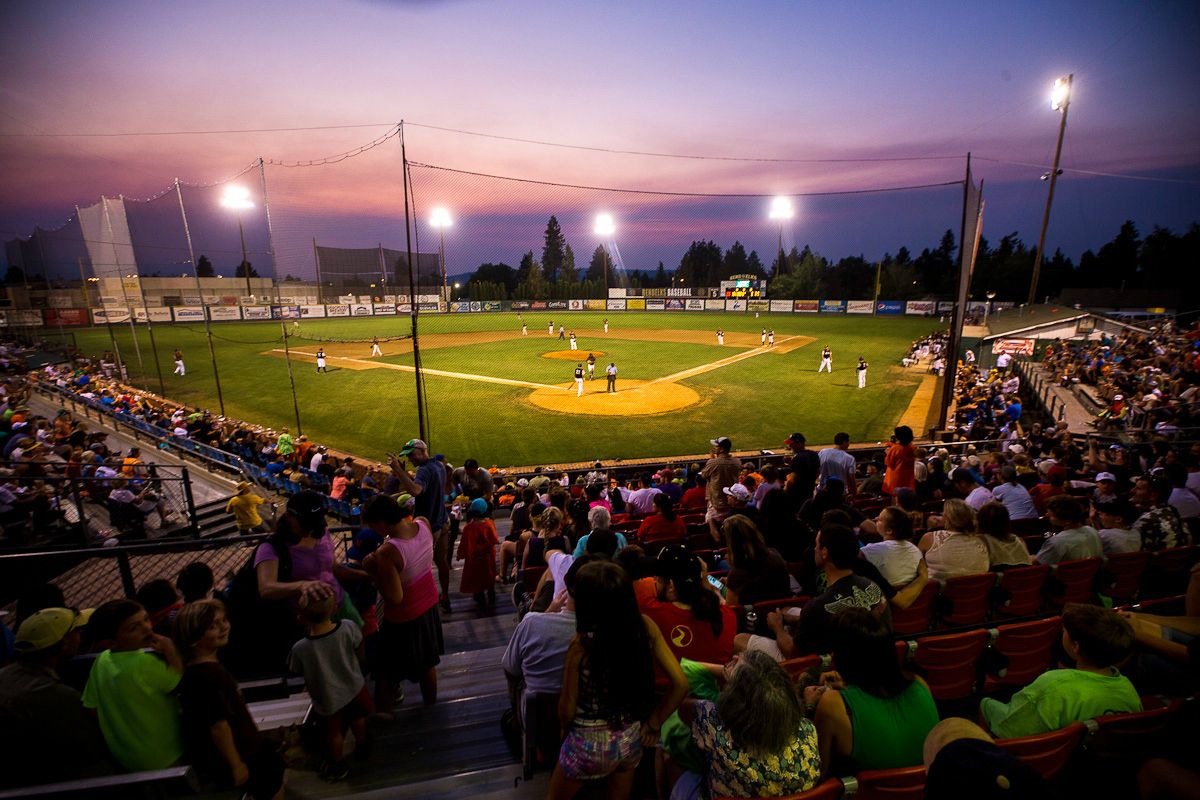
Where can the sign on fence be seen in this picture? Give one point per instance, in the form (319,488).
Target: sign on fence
(557,305)
(520,305)
(492,305)
(312,311)
(385,309)
(596,305)
(714,305)
(185,314)
(337,310)
(807,306)
(285,312)
(615,304)
(577,305)
(859,306)
(255,312)
(781,306)
(66,316)
(695,304)
(224,313)
(833,306)
(636,303)
(889,307)
(155,313)
(919,307)
(674,304)
(459,307)
(655,305)
(1014,347)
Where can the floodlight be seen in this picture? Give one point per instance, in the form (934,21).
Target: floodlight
(604,225)
(237,198)
(781,208)
(1060,95)
(440,218)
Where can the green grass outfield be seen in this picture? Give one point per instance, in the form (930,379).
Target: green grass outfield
(756,402)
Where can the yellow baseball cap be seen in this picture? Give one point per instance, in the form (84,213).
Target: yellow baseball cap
(47,628)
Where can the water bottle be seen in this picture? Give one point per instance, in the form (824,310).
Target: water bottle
(751,617)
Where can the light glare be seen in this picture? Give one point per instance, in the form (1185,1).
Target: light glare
(604,225)
(1060,94)
(440,218)
(781,208)
(237,198)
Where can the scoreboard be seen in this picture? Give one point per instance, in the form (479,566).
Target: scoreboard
(744,288)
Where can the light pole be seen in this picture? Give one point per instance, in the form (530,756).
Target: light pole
(781,210)
(988,308)
(1060,100)
(237,198)
(605,228)
(440,219)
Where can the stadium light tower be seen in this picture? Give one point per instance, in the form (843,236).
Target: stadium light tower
(237,198)
(988,308)
(440,219)
(604,228)
(1060,100)
(781,210)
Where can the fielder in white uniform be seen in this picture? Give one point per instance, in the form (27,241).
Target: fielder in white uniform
(771,338)
(826,361)
(574,344)
(606,325)
(721,337)
(179,368)
(321,360)
(762,339)
(375,349)
(550,328)
(579,380)
(862,373)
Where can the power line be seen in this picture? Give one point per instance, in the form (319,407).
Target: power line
(212,132)
(1097,173)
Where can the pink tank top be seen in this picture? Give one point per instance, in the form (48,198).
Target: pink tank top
(420,588)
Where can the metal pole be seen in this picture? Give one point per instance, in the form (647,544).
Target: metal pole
(875,302)
(1062,129)
(317,260)
(442,256)
(212,353)
(245,265)
(162,387)
(124,296)
(190,501)
(412,288)
(287,356)
(262,177)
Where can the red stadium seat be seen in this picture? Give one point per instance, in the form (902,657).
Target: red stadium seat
(1121,576)
(1047,753)
(1073,582)
(652,548)
(965,600)
(830,789)
(1025,650)
(1019,591)
(949,663)
(1029,527)
(530,577)
(918,617)
(795,667)
(1168,572)
(906,783)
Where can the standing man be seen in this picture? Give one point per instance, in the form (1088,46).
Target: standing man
(1002,362)
(550,328)
(606,324)
(720,337)
(862,373)
(804,467)
(826,361)
(375,350)
(574,344)
(578,380)
(762,339)
(561,332)
(321,360)
(179,368)
(591,362)
(524,328)
(837,462)
(612,377)
(771,338)
(720,472)
(428,486)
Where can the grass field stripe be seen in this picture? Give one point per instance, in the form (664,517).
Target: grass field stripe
(429,371)
(724,362)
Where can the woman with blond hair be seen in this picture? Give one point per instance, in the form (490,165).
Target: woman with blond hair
(958,549)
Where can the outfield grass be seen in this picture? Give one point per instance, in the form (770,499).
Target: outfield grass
(757,402)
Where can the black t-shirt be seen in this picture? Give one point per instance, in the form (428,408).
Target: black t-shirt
(207,695)
(818,619)
(805,465)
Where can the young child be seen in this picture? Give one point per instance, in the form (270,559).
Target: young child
(330,659)
(1097,639)
(478,551)
(132,690)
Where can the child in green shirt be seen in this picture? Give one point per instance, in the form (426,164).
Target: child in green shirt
(1096,639)
(132,691)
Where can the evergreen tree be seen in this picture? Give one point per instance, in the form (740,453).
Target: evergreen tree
(204,267)
(754,265)
(595,271)
(242,268)
(660,277)
(569,274)
(735,261)
(552,250)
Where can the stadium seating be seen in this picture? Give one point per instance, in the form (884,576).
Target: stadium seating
(541,736)
(1019,590)
(918,617)
(1167,573)
(948,662)
(906,783)
(796,667)
(1072,582)
(830,789)
(1019,652)
(1121,577)
(965,600)
(1048,753)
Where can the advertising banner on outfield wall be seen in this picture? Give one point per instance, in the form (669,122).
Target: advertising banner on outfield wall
(429,307)
(807,306)
(1015,347)
(459,307)
(833,306)
(616,305)
(537,305)
(385,309)
(735,305)
(655,305)
(285,312)
(576,305)
(404,308)
(520,305)
(976,307)
(185,314)
(476,305)
(255,312)
(635,303)
(557,305)
(596,305)
(674,304)
(493,305)
(227,314)
(156,314)
(360,310)
(695,304)
(784,306)
(945,306)
(312,311)
(68,316)
(758,305)
(616,292)
(714,305)
(337,310)
(920,307)
(32,317)
(228,300)
(428,298)
(889,307)
(859,306)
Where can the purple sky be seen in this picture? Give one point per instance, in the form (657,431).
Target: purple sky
(766,80)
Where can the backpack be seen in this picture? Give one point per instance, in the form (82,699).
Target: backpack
(262,631)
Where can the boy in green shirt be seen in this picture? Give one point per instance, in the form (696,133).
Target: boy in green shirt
(1096,639)
(132,691)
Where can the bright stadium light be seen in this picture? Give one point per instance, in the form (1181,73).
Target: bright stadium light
(237,198)
(440,218)
(604,228)
(1060,100)
(781,208)
(1060,95)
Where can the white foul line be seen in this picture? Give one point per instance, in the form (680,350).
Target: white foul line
(724,362)
(429,371)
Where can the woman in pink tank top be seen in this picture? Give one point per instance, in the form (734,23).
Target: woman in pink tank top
(410,637)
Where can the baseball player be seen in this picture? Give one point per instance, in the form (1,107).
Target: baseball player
(612,377)
(826,361)
(762,340)
(295,326)
(579,380)
(591,362)
(321,360)
(862,373)
(375,349)
(550,328)
(771,338)
(606,324)
(524,328)
(179,368)
(574,344)
(561,331)
(720,337)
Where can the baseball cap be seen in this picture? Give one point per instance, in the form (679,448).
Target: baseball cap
(523,482)
(722,442)
(979,769)
(1016,449)
(479,506)
(1106,476)
(1119,397)
(406,500)
(413,444)
(738,492)
(798,438)
(678,563)
(47,628)
(962,474)
(243,487)
(309,507)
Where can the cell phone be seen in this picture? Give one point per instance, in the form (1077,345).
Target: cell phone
(716,583)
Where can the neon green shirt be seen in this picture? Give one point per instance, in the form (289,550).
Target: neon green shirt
(1056,699)
(139,717)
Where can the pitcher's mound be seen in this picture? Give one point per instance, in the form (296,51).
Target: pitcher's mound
(632,398)
(573,355)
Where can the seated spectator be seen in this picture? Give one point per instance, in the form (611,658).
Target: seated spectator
(958,549)
(1052,486)
(1097,640)
(1116,532)
(1004,548)
(872,716)
(598,520)
(896,557)
(830,497)
(1169,646)
(771,480)
(755,737)
(910,503)
(144,501)
(695,498)
(699,627)
(967,485)
(1075,539)
(664,524)
(195,582)
(1181,498)
(1159,525)
(608,710)
(640,499)
(633,559)
(757,572)
(42,718)
(1106,488)
(133,691)
(219,734)
(873,483)
(550,525)
(1014,496)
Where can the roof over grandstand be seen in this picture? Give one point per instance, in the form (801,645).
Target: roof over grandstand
(1029,318)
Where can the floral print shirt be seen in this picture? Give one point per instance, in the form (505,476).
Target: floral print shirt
(734,772)
(1160,528)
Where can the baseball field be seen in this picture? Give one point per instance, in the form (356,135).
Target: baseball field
(511,400)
